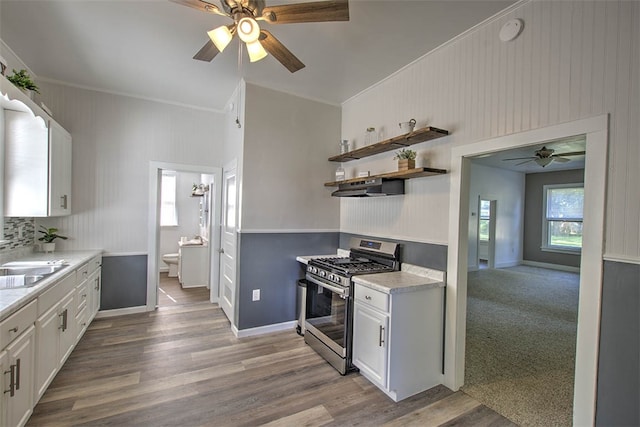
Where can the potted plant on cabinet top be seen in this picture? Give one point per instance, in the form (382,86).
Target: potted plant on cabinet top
(406,159)
(48,237)
(22,80)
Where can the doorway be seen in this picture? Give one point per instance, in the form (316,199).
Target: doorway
(205,218)
(595,131)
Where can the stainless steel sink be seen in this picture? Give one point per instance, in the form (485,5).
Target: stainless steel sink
(11,275)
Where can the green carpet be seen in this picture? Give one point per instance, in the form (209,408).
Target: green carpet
(521,343)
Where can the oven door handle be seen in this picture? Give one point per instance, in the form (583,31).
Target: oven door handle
(336,289)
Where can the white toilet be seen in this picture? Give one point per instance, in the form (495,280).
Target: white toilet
(172,261)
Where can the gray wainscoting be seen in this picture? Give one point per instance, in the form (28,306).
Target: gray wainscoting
(124,282)
(619,363)
(268,262)
(422,254)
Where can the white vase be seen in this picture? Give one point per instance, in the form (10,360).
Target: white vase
(48,247)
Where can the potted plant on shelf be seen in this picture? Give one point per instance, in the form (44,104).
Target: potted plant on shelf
(406,159)
(48,237)
(22,80)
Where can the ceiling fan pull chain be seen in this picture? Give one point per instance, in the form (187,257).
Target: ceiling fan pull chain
(240,87)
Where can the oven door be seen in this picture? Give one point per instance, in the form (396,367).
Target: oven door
(328,314)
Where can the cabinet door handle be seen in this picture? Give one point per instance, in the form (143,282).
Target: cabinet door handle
(63,201)
(17,374)
(14,329)
(97,284)
(64,320)
(12,380)
(367,297)
(381,341)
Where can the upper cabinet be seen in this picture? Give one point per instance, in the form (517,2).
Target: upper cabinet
(37,175)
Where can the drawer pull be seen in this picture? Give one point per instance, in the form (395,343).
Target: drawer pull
(381,341)
(14,329)
(367,297)
(84,295)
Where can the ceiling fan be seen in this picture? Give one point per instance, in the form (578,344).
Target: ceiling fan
(545,155)
(246,13)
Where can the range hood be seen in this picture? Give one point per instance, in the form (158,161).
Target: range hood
(370,187)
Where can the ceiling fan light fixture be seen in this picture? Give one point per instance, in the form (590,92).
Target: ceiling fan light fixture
(248,30)
(543,161)
(221,37)
(256,51)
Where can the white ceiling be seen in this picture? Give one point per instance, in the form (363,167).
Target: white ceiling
(145,47)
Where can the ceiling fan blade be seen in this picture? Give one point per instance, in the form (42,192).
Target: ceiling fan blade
(573,153)
(202,6)
(280,52)
(561,159)
(207,53)
(522,163)
(520,158)
(319,11)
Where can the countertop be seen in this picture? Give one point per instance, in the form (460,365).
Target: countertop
(305,258)
(13,299)
(410,279)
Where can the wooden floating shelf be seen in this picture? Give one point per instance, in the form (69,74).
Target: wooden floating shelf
(395,143)
(408,174)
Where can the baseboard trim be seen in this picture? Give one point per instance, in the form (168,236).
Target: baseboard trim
(121,311)
(261,330)
(552,266)
(508,264)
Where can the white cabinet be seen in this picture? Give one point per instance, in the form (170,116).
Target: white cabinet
(94,285)
(20,359)
(370,340)
(193,267)
(55,331)
(397,339)
(37,166)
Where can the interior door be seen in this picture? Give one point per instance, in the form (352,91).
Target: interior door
(486,232)
(228,242)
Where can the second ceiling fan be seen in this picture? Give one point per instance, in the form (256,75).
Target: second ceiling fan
(545,155)
(246,13)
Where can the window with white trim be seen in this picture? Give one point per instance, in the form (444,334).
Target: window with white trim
(562,217)
(168,207)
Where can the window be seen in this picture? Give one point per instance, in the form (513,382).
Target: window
(168,208)
(562,217)
(485,217)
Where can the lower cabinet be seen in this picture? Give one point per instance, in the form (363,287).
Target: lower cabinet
(193,266)
(398,339)
(370,340)
(18,379)
(55,332)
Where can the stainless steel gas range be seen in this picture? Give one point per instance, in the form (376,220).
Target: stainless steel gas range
(329,305)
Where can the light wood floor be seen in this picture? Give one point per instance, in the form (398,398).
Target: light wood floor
(182,366)
(171,293)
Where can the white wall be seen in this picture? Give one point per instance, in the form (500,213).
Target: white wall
(286,145)
(574,59)
(114,139)
(507,188)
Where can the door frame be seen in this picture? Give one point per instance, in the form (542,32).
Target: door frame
(588,332)
(153,223)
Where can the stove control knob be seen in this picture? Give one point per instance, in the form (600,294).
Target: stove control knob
(312,269)
(332,277)
(323,274)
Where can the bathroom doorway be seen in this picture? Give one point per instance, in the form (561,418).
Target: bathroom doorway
(183,260)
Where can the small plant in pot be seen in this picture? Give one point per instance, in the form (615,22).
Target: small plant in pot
(48,237)
(406,159)
(22,80)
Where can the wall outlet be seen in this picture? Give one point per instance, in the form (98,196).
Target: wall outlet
(256,295)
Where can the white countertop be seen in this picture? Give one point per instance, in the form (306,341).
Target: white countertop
(410,279)
(305,258)
(13,299)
